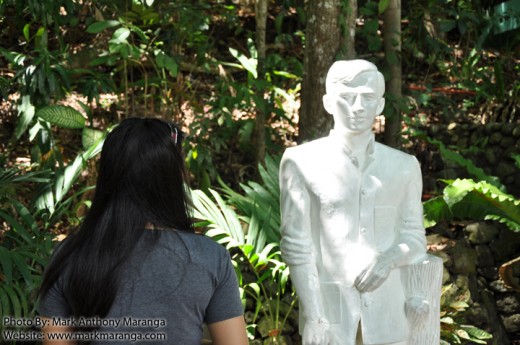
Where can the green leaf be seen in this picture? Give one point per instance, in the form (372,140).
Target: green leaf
(468,199)
(516,159)
(476,333)
(61,115)
(447,320)
(248,64)
(383,5)
(447,25)
(26,113)
(26,33)
(100,26)
(90,137)
(120,36)
(371,26)
(165,61)
(15,301)
(4,302)
(463,334)
(6,263)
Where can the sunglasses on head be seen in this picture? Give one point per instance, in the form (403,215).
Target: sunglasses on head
(176,134)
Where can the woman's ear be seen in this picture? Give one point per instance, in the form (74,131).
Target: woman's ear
(327,103)
(380,106)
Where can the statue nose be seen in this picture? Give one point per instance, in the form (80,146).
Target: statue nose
(357,106)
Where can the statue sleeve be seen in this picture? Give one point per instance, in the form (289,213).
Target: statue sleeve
(410,244)
(296,244)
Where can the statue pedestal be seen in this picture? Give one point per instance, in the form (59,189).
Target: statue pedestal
(423,285)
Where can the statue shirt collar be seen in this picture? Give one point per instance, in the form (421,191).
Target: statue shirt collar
(338,138)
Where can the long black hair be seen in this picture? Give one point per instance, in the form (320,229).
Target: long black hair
(141,182)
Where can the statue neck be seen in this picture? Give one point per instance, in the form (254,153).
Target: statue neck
(355,145)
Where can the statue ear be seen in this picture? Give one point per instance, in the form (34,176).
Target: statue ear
(380,106)
(327,103)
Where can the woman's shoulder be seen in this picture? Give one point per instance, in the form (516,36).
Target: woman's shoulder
(199,245)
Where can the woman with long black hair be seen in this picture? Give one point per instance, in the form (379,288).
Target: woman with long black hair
(135,270)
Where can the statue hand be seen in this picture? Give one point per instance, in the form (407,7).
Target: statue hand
(316,332)
(417,309)
(374,274)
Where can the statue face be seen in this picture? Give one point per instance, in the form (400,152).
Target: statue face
(356,103)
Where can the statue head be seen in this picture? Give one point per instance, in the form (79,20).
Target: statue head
(354,94)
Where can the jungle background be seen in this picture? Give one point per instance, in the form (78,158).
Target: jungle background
(244,79)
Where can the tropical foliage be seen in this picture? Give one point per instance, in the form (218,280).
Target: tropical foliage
(262,274)
(453,329)
(467,199)
(196,62)
(28,238)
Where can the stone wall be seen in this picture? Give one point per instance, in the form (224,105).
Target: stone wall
(473,252)
(489,146)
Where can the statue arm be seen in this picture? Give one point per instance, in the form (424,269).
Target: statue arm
(296,244)
(410,243)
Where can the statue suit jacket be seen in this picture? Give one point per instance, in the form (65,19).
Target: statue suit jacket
(337,216)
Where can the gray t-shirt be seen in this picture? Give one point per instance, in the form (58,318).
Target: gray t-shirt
(171,286)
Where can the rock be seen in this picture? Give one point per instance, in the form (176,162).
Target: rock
(463,142)
(481,232)
(477,315)
(447,174)
(490,156)
(464,259)
(490,273)
(446,259)
(446,277)
(508,128)
(516,131)
(475,137)
(495,126)
(509,180)
(495,138)
(452,126)
(506,245)
(509,304)
(512,323)
(462,282)
(505,169)
(434,129)
(507,142)
(499,286)
(484,256)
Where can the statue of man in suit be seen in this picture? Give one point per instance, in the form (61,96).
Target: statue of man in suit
(351,219)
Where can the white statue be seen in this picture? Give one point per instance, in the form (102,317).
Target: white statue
(352,226)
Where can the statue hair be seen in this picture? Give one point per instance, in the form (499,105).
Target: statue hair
(344,71)
(141,181)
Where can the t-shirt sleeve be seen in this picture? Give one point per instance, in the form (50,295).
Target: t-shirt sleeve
(225,302)
(53,303)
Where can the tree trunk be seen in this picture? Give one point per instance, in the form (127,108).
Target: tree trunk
(261,22)
(348,32)
(392,43)
(322,41)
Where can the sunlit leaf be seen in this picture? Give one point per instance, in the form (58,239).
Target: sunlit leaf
(100,26)
(61,115)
